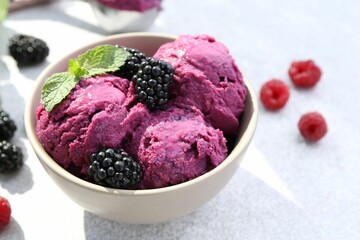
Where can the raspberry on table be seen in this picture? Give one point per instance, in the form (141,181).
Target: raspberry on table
(304,74)
(11,157)
(152,82)
(5,212)
(115,168)
(274,94)
(27,50)
(312,126)
(7,126)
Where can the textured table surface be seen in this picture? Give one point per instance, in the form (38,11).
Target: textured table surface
(285,188)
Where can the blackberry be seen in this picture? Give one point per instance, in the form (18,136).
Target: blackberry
(152,82)
(114,168)
(27,50)
(11,157)
(7,126)
(132,63)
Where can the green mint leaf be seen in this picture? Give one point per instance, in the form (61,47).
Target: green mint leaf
(99,60)
(76,69)
(4,6)
(102,59)
(56,88)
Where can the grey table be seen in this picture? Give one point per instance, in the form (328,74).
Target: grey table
(285,188)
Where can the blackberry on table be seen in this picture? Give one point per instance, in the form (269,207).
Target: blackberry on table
(7,126)
(132,63)
(152,82)
(27,50)
(115,168)
(11,157)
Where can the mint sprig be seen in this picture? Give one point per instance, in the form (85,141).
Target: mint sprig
(99,60)
(76,69)
(102,59)
(56,88)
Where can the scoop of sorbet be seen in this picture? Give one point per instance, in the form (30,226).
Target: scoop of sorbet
(206,77)
(178,151)
(86,120)
(131,5)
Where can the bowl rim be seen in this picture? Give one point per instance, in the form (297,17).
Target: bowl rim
(44,158)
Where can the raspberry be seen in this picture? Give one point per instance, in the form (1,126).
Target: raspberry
(304,74)
(115,168)
(152,82)
(11,157)
(27,50)
(7,126)
(274,94)
(5,212)
(132,64)
(312,126)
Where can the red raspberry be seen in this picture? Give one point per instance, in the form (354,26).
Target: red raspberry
(274,94)
(312,126)
(304,74)
(5,212)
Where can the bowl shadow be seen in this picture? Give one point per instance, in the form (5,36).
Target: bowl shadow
(244,216)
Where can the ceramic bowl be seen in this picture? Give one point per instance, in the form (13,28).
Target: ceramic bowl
(140,206)
(120,21)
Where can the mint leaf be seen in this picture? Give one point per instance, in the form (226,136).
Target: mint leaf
(99,60)
(76,69)
(4,5)
(102,59)
(56,88)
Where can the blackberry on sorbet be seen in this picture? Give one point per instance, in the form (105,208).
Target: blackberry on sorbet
(115,168)
(27,50)
(7,126)
(132,63)
(11,157)
(152,82)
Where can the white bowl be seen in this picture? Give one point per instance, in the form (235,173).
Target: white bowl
(116,21)
(140,206)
